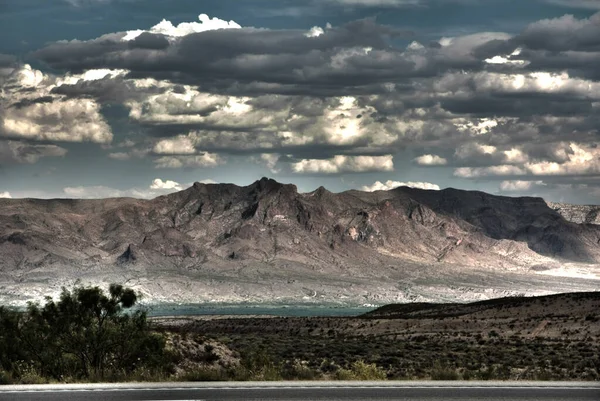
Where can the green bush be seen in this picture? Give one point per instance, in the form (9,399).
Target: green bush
(360,370)
(86,335)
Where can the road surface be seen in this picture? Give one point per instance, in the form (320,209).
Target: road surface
(331,391)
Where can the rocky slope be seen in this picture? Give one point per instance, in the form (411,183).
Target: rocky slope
(588,214)
(267,242)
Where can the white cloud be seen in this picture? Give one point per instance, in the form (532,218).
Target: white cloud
(181,145)
(389,184)
(120,156)
(314,32)
(472,149)
(430,160)
(238,122)
(344,164)
(185,28)
(5,194)
(504,60)
(500,170)
(270,161)
(581,160)
(204,160)
(157,183)
(481,126)
(516,186)
(207,181)
(453,84)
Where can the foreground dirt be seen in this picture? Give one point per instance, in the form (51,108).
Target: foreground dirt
(541,338)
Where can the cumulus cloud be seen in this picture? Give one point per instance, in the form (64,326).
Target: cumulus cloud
(581,160)
(157,183)
(326,100)
(389,184)
(181,145)
(344,164)
(351,57)
(430,160)
(29,110)
(185,28)
(517,185)
(5,194)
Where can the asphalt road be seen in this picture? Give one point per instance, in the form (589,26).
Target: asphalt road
(331,391)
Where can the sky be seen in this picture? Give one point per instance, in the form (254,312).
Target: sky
(106,98)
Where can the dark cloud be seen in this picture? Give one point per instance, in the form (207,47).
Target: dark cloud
(106,90)
(149,41)
(349,58)
(28,102)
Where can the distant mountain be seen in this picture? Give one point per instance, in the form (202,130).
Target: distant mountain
(268,243)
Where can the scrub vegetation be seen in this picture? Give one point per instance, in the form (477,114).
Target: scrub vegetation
(89,336)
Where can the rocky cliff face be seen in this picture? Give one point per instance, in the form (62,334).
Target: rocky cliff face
(580,214)
(266,241)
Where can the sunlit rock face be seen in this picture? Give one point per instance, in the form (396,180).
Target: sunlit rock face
(268,243)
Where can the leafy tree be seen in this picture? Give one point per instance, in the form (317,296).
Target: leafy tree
(88,333)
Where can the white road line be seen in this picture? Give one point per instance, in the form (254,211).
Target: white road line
(287,388)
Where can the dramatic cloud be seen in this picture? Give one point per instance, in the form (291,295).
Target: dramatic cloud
(380,186)
(5,195)
(320,99)
(581,160)
(344,164)
(430,160)
(28,110)
(355,57)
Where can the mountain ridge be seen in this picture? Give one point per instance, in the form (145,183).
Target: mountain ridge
(268,241)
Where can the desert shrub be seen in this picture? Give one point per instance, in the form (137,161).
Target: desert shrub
(256,364)
(440,372)
(296,370)
(360,370)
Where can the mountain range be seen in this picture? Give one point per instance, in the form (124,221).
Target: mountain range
(266,242)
